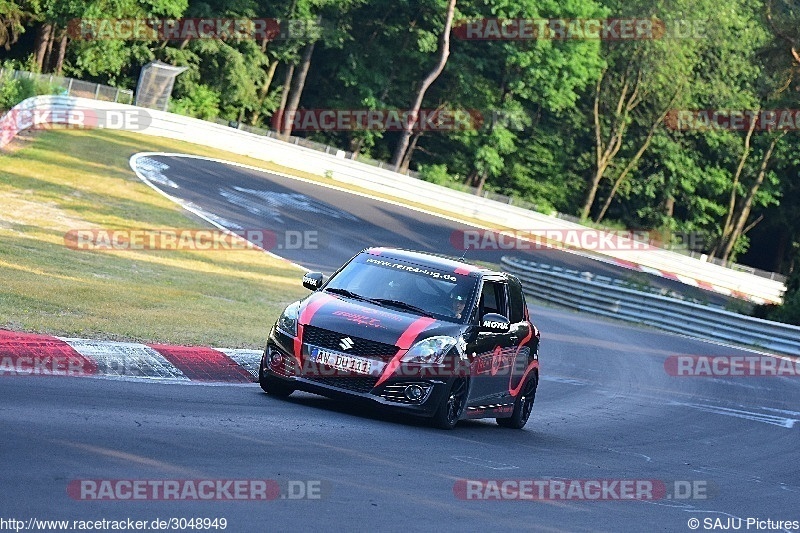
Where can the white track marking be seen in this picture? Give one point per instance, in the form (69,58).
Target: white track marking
(484,463)
(194,209)
(787,423)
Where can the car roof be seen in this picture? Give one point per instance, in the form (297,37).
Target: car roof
(436,261)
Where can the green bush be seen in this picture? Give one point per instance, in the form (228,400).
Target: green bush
(201,102)
(789,311)
(438,174)
(15,91)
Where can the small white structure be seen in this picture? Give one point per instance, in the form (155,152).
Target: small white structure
(155,85)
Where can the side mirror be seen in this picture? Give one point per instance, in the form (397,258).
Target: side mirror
(313,280)
(495,323)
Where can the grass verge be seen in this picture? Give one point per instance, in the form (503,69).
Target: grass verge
(65,180)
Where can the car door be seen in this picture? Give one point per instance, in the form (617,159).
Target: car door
(520,335)
(490,352)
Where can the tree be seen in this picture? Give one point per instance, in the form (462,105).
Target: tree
(14,15)
(443,53)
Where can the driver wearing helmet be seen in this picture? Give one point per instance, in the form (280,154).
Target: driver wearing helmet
(458,304)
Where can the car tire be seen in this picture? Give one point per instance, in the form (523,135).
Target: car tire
(451,407)
(523,406)
(272,385)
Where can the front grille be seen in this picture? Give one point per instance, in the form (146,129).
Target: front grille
(330,340)
(362,384)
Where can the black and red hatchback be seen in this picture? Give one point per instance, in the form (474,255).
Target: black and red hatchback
(410,331)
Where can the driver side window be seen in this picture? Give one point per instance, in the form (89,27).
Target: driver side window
(493,299)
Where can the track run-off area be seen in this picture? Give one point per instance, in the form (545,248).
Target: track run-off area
(616,442)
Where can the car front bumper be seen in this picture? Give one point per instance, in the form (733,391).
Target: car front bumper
(391,394)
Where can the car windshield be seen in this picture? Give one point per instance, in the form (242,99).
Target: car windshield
(406,286)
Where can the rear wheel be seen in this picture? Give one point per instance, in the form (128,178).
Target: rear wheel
(522,406)
(450,409)
(272,385)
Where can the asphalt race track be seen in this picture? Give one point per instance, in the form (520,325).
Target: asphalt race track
(606,409)
(344,224)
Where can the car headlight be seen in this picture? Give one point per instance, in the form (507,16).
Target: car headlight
(287,322)
(430,351)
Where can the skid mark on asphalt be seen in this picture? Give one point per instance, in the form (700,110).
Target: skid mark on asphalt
(270,204)
(130,458)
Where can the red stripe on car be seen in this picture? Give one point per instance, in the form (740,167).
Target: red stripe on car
(305,317)
(404,343)
(514,391)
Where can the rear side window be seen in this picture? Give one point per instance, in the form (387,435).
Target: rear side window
(493,298)
(516,301)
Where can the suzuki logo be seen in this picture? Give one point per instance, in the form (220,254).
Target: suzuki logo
(346,343)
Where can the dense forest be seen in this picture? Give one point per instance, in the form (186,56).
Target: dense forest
(611,126)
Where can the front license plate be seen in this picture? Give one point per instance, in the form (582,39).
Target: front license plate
(345,363)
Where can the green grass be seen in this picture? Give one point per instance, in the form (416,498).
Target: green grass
(66,180)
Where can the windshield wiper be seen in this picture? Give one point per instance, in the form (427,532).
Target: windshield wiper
(380,301)
(403,305)
(350,294)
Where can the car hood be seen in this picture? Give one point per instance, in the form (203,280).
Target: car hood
(369,321)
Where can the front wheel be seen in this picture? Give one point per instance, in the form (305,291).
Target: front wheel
(272,385)
(522,406)
(449,411)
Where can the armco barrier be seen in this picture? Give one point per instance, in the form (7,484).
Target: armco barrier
(603,296)
(653,260)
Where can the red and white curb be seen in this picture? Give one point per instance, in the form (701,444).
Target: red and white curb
(677,277)
(32,354)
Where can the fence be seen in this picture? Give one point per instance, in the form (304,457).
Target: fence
(73,87)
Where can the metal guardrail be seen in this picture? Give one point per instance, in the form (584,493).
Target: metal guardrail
(73,87)
(600,295)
